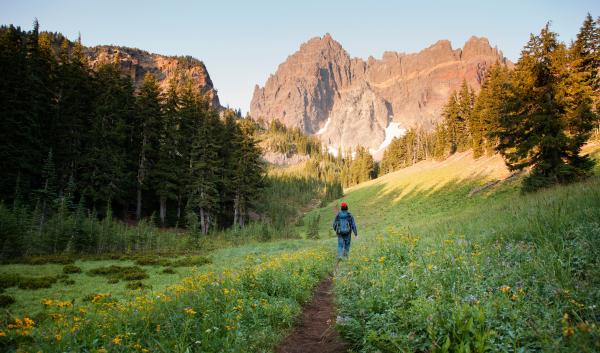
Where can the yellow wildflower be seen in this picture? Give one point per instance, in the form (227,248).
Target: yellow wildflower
(28,322)
(57,338)
(101,350)
(117,340)
(157,328)
(2,334)
(225,291)
(382,259)
(505,289)
(190,311)
(568,331)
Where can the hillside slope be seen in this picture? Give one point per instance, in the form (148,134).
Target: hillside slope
(435,269)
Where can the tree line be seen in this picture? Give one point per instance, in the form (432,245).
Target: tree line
(537,115)
(89,140)
(348,167)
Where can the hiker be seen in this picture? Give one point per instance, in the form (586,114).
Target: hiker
(344,225)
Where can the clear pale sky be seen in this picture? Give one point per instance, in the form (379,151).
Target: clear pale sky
(243,42)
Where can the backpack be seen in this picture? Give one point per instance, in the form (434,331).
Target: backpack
(344,227)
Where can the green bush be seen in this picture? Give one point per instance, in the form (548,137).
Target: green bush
(36,282)
(188,261)
(69,269)
(8,280)
(169,270)
(127,273)
(152,261)
(134,275)
(6,300)
(135,285)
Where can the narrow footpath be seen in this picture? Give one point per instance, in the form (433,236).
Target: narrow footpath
(316,332)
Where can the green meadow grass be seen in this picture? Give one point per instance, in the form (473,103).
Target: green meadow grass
(28,302)
(438,270)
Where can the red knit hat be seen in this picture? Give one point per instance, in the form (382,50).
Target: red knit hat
(344,204)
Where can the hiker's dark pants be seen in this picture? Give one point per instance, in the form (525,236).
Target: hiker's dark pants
(344,245)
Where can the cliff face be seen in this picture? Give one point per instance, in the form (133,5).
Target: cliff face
(136,63)
(349,101)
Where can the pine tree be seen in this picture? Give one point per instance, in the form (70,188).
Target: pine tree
(585,56)
(465,102)
(247,179)
(166,171)
(148,129)
(72,111)
(548,115)
(450,115)
(205,166)
(47,194)
(586,51)
(22,108)
(106,167)
(488,108)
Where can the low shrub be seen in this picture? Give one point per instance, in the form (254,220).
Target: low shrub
(135,285)
(36,282)
(152,261)
(68,269)
(6,300)
(68,282)
(188,261)
(169,270)
(127,273)
(134,275)
(8,280)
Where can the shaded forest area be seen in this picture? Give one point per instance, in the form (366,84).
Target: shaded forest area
(86,144)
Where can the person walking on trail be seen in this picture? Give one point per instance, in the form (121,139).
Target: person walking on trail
(344,225)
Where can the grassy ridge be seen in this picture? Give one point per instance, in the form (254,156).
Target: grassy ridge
(440,271)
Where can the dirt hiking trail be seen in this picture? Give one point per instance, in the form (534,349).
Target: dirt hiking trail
(316,331)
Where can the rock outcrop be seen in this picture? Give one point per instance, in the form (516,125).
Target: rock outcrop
(348,101)
(136,63)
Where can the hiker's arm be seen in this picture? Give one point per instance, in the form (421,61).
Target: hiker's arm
(335,223)
(354,227)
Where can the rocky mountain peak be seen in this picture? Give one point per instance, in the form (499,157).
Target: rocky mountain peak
(348,101)
(478,46)
(136,63)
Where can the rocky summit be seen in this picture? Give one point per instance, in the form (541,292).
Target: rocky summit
(349,101)
(136,63)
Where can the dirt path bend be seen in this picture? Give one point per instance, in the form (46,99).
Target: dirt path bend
(316,332)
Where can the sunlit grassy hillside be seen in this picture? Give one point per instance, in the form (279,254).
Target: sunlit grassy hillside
(453,258)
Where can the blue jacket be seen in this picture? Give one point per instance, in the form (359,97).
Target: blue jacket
(352,223)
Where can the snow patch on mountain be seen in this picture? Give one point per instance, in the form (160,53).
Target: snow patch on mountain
(324,128)
(393,130)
